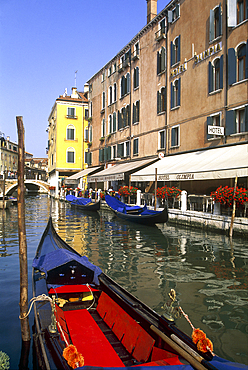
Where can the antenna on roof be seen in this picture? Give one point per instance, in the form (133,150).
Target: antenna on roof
(76,78)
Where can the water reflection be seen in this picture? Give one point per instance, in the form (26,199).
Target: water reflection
(208,274)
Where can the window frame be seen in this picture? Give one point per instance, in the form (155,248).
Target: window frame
(176,138)
(69,129)
(136,146)
(160,147)
(69,151)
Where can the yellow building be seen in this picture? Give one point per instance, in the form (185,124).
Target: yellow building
(66,136)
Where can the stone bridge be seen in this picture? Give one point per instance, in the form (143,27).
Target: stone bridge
(30,184)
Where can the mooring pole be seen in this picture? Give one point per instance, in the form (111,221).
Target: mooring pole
(22,234)
(234,208)
(155,190)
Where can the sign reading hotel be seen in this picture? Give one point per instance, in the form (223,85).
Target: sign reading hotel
(180,176)
(216,130)
(208,53)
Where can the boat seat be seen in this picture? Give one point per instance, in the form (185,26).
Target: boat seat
(67,289)
(90,340)
(134,338)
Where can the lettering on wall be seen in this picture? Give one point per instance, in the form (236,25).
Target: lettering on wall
(208,53)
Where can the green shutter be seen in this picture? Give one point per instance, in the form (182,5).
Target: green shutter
(230,122)
(231,66)
(211,25)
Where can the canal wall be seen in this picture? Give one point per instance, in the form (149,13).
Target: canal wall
(209,221)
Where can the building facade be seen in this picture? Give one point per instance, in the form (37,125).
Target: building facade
(180,85)
(66,136)
(8,158)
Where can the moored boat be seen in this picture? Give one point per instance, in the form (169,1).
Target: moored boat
(85,319)
(140,215)
(85,204)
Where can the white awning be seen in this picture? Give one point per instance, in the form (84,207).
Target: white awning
(73,179)
(118,171)
(216,163)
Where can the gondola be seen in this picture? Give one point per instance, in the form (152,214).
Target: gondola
(84,204)
(84,319)
(140,215)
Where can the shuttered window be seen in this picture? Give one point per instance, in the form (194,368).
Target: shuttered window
(215,75)
(136,146)
(175,50)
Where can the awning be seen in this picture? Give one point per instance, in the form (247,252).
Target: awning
(209,164)
(118,171)
(74,178)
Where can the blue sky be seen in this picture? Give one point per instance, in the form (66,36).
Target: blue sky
(43,43)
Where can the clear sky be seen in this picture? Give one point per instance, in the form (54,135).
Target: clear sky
(43,43)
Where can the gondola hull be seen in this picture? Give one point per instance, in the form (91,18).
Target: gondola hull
(84,318)
(136,214)
(84,204)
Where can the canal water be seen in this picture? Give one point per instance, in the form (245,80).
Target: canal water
(208,273)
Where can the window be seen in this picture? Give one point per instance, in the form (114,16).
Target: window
(70,155)
(71,112)
(136,51)
(88,158)
(136,111)
(103,128)
(70,132)
(114,122)
(237,121)
(135,146)
(125,85)
(161,139)
(123,149)
(114,151)
(175,50)
(161,100)
(115,92)
(110,124)
(175,136)
(110,98)
(241,62)
(215,75)
(110,71)
(103,100)
(161,61)
(136,77)
(174,14)
(215,27)
(237,12)
(175,93)
(124,117)
(241,10)
(160,34)
(238,63)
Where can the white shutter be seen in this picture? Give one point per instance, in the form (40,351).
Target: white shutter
(232,13)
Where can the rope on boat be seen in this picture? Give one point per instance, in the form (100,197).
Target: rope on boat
(42,297)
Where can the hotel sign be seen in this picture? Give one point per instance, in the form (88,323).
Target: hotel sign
(180,176)
(208,53)
(216,130)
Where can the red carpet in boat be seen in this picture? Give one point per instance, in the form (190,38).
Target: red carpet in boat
(65,289)
(90,341)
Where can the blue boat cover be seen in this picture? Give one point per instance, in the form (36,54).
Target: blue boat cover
(59,257)
(70,197)
(117,205)
(218,362)
(81,201)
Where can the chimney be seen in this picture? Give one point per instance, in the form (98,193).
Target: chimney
(86,87)
(74,93)
(151,9)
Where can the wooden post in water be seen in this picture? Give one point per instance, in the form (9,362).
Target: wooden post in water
(155,190)
(234,208)
(22,234)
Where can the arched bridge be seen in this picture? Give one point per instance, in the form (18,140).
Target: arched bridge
(30,184)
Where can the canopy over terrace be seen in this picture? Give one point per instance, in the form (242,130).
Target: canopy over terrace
(77,176)
(118,171)
(217,163)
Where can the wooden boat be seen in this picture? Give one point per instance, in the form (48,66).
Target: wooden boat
(141,215)
(84,204)
(84,318)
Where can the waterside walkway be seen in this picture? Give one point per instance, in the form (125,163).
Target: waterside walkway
(209,221)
